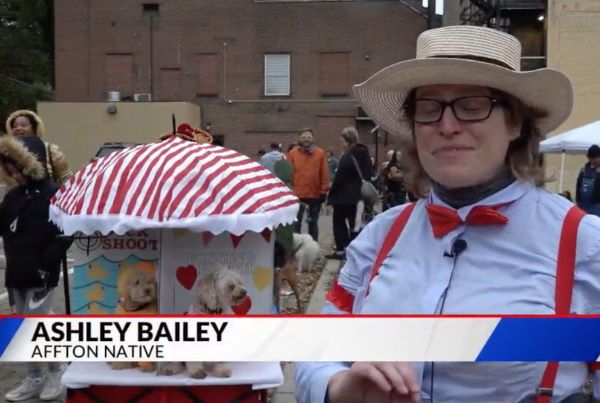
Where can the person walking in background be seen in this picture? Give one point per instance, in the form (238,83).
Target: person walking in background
(369,209)
(25,123)
(32,248)
(310,180)
(374,178)
(332,162)
(587,194)
(269,159)
(567,195)
(392,181)
(345,192)
(284,240)
(389,156)
(28,123)
(291,147)
(11,301)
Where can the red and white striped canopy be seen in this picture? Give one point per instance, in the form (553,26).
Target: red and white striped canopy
(173,184)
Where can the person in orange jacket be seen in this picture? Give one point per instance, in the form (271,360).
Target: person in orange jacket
(310,180)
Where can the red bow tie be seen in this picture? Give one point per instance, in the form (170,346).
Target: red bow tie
(443,220)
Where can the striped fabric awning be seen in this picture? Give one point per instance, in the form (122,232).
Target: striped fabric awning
(173,184)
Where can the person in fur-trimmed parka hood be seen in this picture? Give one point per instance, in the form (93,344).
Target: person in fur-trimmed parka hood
(32,248)
(25,123)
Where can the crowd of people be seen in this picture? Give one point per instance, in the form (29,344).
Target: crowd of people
(324,179)
(330,179)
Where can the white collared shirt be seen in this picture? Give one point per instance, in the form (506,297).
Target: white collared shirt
(505,270)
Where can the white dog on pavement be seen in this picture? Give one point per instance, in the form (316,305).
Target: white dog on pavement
(307,251)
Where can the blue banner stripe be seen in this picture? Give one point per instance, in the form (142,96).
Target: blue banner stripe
(543,339)
(8,328)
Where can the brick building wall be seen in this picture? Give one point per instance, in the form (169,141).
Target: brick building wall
(213,53)
(573,47)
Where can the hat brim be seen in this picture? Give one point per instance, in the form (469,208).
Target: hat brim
(382,96)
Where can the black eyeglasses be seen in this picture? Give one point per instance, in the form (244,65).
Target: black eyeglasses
(465,109)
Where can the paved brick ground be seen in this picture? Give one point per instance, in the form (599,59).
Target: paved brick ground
(12,374)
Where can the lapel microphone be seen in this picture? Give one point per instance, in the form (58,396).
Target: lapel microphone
(458,247)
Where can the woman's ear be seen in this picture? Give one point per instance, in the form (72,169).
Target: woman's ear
(515,131)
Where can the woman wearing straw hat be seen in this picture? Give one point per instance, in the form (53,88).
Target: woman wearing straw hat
(483,237)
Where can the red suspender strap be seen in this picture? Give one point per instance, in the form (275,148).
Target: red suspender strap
(390,240)
(342,298)
(565,274)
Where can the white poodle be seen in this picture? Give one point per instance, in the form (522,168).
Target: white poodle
(307,251)
(221,289)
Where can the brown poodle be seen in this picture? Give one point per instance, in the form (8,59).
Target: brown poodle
(140,299)
(141,293)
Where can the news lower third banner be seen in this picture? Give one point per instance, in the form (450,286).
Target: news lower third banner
(324,338)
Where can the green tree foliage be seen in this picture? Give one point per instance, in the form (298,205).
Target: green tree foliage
(26,54)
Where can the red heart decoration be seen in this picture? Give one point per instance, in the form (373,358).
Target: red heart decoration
(186,276)
(243,308)
(236,239)
(266,234)
(206,238)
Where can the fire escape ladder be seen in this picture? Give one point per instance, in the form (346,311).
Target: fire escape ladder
(483,5)
(487,16)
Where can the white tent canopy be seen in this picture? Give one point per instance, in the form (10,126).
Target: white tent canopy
(576,142)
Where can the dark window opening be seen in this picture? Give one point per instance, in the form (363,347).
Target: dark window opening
(151,8)
(219,140)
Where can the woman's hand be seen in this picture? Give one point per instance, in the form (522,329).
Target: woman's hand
(384,382)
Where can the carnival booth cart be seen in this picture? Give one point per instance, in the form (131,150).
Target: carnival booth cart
(149,223)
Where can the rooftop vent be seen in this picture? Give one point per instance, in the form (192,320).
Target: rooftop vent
(113,96)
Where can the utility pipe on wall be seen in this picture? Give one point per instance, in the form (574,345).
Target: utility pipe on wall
(431,14)
(152,58)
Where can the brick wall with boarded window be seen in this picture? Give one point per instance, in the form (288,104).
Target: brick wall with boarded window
(333,74)
(88,30)
(119,74)
(170,85)
(208,75)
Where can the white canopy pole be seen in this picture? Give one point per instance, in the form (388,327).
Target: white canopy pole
(562,172)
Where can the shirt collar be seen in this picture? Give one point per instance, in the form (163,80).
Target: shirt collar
(507,195)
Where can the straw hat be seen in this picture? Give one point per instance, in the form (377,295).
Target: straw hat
(471,56)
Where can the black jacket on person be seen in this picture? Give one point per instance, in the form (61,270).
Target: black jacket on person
(31,246)
(347,184)
(394,192)
(596,191)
